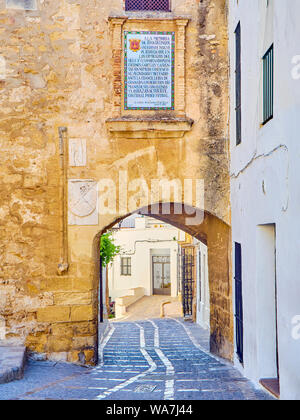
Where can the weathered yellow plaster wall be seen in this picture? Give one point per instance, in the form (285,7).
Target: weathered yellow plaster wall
(61,70)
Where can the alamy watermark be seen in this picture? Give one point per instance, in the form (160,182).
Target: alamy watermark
(166,197)
(296,327)
(296,67)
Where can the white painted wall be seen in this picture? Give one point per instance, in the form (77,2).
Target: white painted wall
(265,175)
(141,243)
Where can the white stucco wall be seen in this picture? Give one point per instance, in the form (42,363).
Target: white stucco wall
(265,174)
(141,243)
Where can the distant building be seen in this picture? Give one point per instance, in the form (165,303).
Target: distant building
(159,259)
(148,258)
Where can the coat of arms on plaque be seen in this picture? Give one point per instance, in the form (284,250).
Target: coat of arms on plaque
(83,200)
(135,45)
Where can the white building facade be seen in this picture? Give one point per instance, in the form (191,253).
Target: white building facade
(265,171)
(148,258)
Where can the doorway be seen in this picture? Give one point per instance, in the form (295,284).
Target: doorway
(203,298)
(161,275)
(266,292)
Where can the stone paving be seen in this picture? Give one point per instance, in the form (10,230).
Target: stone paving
(157,359)
(149,307)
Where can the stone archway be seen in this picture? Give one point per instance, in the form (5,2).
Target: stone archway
(216,234)
(48,274)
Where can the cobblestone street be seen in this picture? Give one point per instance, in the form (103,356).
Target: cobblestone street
(148,360)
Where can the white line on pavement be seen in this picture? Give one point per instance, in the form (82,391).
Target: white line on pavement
(169,385)
(188,390)
(150,361)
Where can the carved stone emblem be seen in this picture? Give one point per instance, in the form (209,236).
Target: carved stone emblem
(83,202)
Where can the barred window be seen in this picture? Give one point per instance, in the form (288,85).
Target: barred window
(125,266)
(268,85)
(238,85)
(135,5)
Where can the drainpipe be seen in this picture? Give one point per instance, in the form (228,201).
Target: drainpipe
(63,266)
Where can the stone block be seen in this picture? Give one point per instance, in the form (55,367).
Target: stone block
(36,342)
(85,328)
(72,298)
(58,357)
(83,284)
(73,356)
(62,330)
(82,313)
(53,314)
(80,343)
(59,344)
(57,284)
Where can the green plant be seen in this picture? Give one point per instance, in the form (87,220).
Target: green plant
(108,250)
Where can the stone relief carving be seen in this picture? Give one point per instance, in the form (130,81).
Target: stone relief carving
(77,152)
(83,202)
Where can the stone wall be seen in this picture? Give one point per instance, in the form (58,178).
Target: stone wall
(61,66)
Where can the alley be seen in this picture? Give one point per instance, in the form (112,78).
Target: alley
(146,360)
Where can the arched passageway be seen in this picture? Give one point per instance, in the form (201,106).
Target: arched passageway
(216,235)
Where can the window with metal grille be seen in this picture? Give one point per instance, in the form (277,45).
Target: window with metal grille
(126,266)
(238,85)
(268,85)
(239,303)
(134,5)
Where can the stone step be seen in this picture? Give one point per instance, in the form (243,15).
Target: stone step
(12,363)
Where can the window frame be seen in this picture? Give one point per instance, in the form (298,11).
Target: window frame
(126,268)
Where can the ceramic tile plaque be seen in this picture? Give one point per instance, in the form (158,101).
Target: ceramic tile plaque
(149,70)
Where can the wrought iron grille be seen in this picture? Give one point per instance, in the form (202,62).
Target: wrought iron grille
(134,5)
(187,288)
(268,85)
(239,303)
